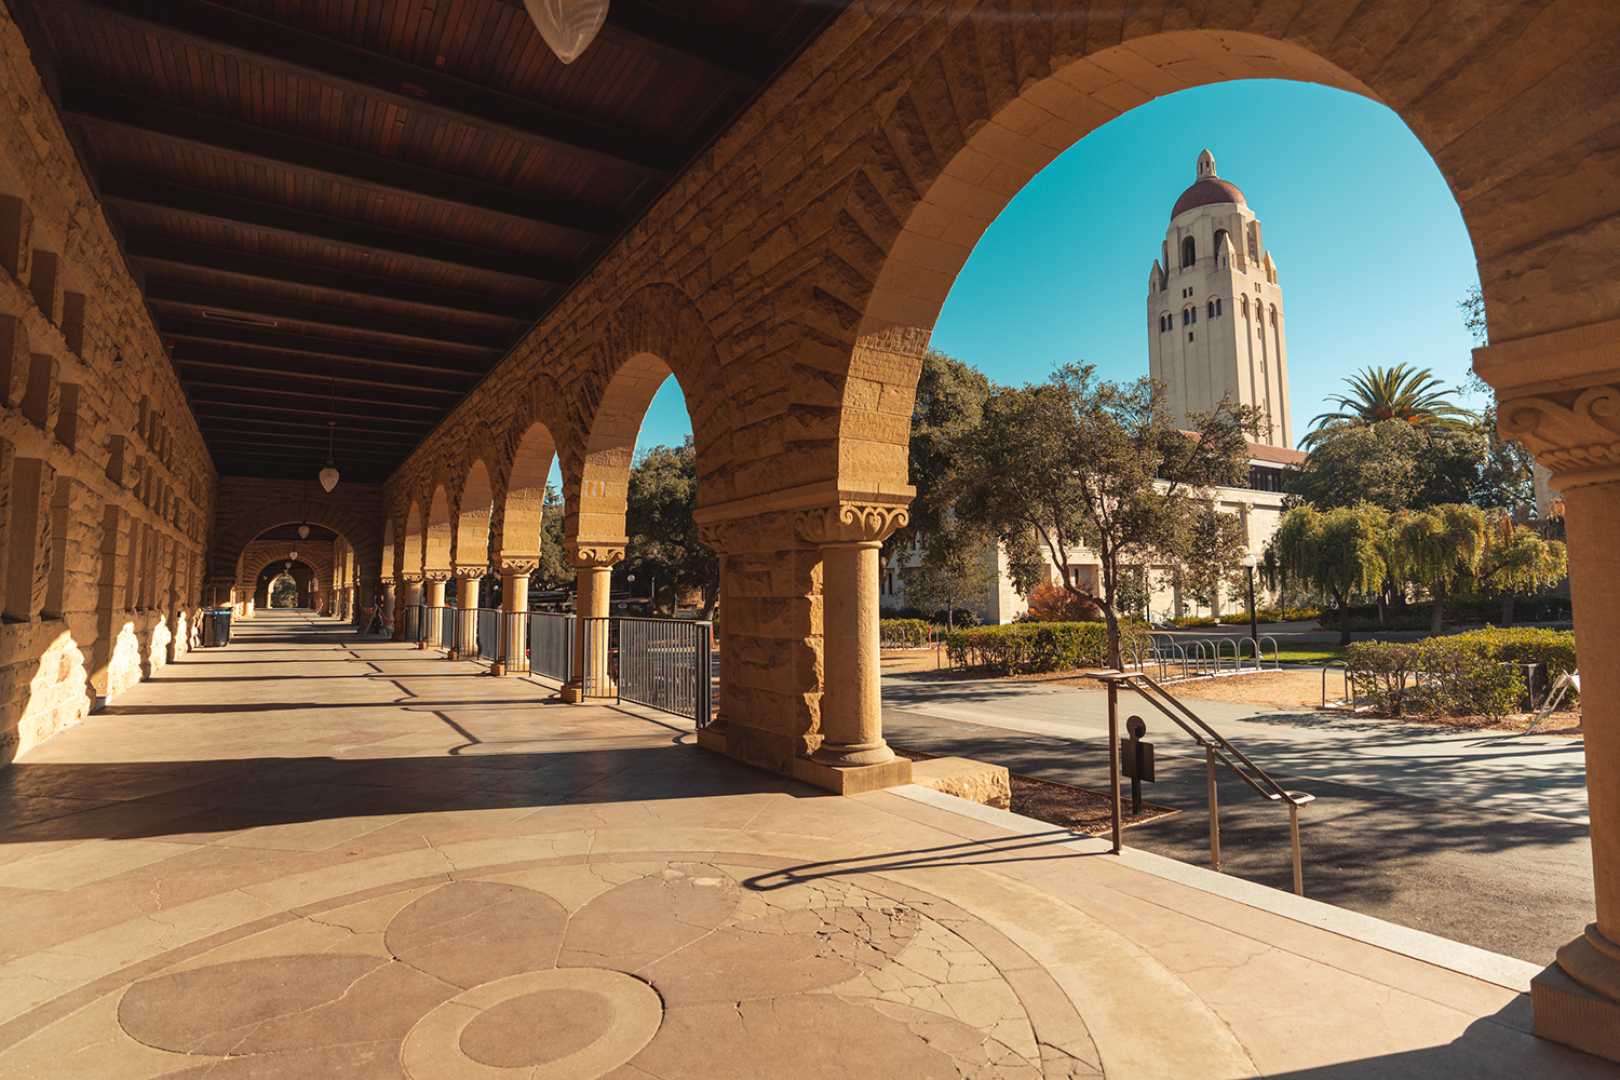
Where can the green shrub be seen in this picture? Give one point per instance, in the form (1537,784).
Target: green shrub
(904,633)
(1383,671)
(1288,614)
(1195,620)
(1472,674)
(1031,647)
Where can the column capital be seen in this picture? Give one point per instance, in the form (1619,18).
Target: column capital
(409,578)
(1575,434)
(587,556)
(436,575)
(519,566)
(850,522)
(471,571)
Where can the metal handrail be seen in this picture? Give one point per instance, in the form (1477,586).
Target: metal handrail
(1217,748)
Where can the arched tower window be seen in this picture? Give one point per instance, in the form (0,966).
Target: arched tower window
(1189,252)
(1220,234)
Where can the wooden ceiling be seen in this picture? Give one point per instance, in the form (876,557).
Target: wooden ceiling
(349,210)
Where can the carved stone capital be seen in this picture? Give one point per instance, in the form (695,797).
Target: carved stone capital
(471,571)
(1575,434)
(850,523)
(518,567)
(409,578)
(594,556)
(436,575)
(721,537)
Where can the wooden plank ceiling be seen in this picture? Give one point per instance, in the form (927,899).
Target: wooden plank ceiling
(349,210)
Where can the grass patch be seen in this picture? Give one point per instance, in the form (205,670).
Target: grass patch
(1309,656)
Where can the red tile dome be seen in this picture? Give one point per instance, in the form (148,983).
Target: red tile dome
(1208,191)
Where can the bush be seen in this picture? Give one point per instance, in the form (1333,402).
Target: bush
(1053,603)
(904,633)
(1031,647)
(1288,614)
(958,617)
(1472,674)
(1195,620)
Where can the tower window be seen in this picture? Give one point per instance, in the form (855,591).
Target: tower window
(1189,335)
(1193,311)
(1189,252)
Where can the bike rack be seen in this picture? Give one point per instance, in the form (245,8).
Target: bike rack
(1349,683)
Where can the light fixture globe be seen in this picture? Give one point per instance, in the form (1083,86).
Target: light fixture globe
(293,554)
(569,26)
(329,478)
(303,530)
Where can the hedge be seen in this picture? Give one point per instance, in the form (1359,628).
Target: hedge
(1032,647)
(904,633)
(1471,674)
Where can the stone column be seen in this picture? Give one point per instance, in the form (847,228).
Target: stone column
(514,658)
(387,600)
(410,596)
(593,565)
(350,612)
(468,580)
(1559,394)
(434,584)
(852,755)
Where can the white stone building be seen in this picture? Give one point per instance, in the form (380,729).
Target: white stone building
(1215,331)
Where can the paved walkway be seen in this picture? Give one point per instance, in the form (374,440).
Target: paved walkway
(312,856)
(1476,836)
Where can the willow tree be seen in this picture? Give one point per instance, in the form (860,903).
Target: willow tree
(1516,562)
(1337,553)
(1435,549)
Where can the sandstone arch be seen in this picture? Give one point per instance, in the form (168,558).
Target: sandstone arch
(438,535)
(470,542)
(415,541)
(520,502)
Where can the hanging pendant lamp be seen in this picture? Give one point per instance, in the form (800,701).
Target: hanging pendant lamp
(569,26)
(329,475)
(303,531)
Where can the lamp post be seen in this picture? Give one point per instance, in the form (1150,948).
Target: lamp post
(1250,561)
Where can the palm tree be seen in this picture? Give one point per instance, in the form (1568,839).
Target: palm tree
(1406,393)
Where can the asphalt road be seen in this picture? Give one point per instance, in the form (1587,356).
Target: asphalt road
(1478,837)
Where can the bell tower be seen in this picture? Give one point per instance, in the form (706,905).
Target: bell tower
(1215,309)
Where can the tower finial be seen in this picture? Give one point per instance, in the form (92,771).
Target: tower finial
(1206,164)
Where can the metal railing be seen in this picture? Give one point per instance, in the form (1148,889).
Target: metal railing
(666,664)
(551,644)
(487,633)
(1216,750)
(448,617)
(598,656)
(412,614)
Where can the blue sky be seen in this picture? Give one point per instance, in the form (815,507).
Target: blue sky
(1370,245)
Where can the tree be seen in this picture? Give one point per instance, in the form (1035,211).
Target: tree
(955,569)
(554,571)
(1391,464)
(663,535)
(1211,553)
(1339,552)
(1507,475)
(1437,548)
(1377,394)
(1082,465)
(1517,562)
(950,401)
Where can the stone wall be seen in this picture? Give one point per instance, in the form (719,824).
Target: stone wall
(106,489)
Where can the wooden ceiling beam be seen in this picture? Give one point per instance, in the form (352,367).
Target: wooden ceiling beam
(417,90)
(343,438)
(314,374)
(151,246)
(325,403)
(224,308)
(390,177)
(216,336)
(217,407)
(157,194)
(250,448)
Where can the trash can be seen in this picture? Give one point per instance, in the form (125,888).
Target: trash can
(217,628)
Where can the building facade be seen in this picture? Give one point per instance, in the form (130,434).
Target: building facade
(1215,333)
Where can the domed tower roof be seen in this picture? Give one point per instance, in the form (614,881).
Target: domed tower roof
(1208,189)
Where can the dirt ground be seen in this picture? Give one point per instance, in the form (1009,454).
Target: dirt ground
(1078,809)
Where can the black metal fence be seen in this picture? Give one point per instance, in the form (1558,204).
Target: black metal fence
(447,627)
(665,664)
(551,645)
(488,634)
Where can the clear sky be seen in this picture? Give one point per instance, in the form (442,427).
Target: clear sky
(1371,251)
